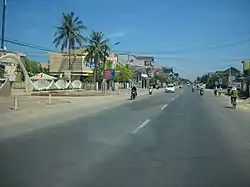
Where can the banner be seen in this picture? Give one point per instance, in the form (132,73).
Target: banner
(106,74)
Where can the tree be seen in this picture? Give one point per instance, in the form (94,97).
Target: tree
(126,73)
(32,67)
(68,34)
(97,50)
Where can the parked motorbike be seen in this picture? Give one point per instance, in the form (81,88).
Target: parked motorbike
(133,95)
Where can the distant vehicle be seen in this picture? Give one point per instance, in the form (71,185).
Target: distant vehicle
(170,88)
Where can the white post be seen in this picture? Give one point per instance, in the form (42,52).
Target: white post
(15,103)
(49,102)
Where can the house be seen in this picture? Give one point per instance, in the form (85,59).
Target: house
(232,71)
(157,70)
(143,66)
(79,68)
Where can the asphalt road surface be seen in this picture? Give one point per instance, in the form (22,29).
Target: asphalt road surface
(175,140)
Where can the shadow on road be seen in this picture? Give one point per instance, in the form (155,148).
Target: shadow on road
(228,107)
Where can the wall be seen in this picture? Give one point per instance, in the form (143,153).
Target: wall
(5,89)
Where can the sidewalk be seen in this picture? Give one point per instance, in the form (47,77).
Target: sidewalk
(242,104)
(32,107)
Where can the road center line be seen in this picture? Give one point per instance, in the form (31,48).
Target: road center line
(137,129)
(162,108)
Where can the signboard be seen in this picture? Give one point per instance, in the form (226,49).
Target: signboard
(106,74)
(220,81)
(90,64)
(118,72)
(112,74)
(231,79)
(67,74)
(237,85)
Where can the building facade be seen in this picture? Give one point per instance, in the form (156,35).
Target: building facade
(79,67)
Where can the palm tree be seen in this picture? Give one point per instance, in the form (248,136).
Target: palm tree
(97,50)
(68,34)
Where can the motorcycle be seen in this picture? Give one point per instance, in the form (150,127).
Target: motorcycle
(133,95)
(234,103)
(192,89)
(150,91)
(219,93)
(215,92)
(201,92)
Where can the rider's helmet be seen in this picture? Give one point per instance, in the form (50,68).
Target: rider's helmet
(234,88)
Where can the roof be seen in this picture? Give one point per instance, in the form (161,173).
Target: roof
(232,70)
(157,67)
(44,64)
(145,58)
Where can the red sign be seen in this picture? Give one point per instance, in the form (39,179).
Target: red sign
(106,74)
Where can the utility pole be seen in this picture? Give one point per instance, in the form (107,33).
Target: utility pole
(3,23)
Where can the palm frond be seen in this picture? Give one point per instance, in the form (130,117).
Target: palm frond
(68,33)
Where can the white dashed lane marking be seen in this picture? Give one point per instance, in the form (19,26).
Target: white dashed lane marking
(141,126)
(162,108)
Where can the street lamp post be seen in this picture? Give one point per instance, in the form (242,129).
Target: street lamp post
(3,23)
(104,67)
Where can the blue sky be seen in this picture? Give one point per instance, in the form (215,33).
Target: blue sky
(170,30)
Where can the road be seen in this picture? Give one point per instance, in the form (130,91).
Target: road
(175,140)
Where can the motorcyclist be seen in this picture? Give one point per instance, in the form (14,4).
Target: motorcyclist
(201,90)
(220,90)
(234,94)
(151,88)
(215,90)
(134,89)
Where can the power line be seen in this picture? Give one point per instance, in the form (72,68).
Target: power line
(24,44)
(203,47)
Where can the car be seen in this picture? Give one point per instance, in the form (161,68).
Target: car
(170,88)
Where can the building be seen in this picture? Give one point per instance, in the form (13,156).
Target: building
(79,68)
(157,70)
(143,66)
(246,78)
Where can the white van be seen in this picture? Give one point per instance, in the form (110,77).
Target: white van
(170,88)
